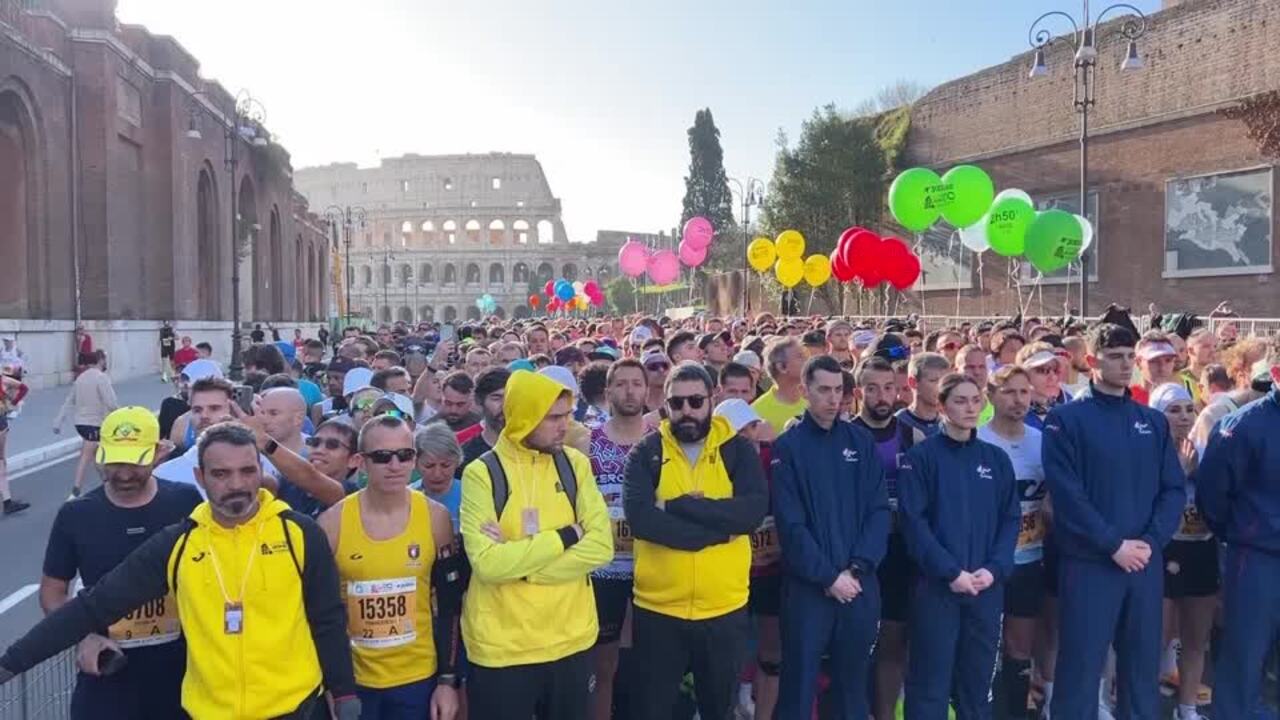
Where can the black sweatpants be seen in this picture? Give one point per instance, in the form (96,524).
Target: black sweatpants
(663,647)
(554,690)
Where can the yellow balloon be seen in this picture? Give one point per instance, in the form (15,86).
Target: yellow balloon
(789,271)
(761,254)
(817,269)
(790,244)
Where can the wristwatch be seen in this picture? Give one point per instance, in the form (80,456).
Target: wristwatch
(449,679)
(270,448)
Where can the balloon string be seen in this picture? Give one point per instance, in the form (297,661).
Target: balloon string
(982,286)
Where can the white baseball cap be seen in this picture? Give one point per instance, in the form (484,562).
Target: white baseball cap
(201,369)
(1044,357)
(1155,350)
(355,379)
(738,413)
(749,359)
(561,375)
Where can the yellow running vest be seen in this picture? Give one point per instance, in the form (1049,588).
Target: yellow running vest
(386,585)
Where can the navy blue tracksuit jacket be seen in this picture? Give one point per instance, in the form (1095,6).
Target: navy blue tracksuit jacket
(960,510)
(831,508)
(1113,475)
(1238,493)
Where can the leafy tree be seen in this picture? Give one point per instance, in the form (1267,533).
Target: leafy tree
(707,192)
(621,296)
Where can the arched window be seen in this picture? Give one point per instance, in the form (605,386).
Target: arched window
(473,230)
(405,314)
(450,313)
(406,274)
(424,274)
(427,313)
(497,229)
(450,275)
(546,232)
(496,274)
(385,314)
(520,273)
(450,232)
(521,312)
(499,313)
(386,275)
(473,274)
(473,312)
(366,275)
(569,272)
(208,252)
(521,230)
(545,272)
(428,229)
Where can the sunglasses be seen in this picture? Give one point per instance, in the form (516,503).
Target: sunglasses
(382,457)
(950,346)
(662,367)
(676,402)
(328,443)
(1046,369)
(364,404)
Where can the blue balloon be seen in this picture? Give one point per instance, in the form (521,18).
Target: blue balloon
(564,290)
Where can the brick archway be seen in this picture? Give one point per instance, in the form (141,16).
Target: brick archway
(24,292)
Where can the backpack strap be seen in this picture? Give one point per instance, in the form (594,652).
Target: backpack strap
(182,548)
(288,540)
(498,479)
(568,479)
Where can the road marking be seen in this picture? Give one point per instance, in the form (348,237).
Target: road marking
(42,466)
(18,596)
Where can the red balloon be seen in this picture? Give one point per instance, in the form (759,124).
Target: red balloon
(898,265)
(839,269)
(853,241)
(862,257)
(534,300)
(550,288)
(909,273)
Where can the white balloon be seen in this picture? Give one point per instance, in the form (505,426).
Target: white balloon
(1015,193)
(1087,227)
(974,237)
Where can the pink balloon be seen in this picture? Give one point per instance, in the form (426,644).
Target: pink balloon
(692,255)
(633,258)
(698,232)
(591,286)
(664,267)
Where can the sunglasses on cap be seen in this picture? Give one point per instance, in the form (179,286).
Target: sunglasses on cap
(395,413)
(364,404)
(329,443)
(676,402)
(382,457)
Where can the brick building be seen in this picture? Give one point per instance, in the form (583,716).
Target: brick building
(440,231)
(114,213)
(1182,198)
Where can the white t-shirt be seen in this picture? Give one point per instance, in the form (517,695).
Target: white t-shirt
(1024,454)
(182,469)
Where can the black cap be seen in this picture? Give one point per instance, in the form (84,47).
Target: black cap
(891,347)
(340,365)
(706,338)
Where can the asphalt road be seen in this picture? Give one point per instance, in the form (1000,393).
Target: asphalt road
(23,537)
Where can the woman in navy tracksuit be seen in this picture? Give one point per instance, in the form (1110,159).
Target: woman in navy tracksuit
(959,503)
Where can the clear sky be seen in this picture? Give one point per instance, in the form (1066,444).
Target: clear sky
(602,91)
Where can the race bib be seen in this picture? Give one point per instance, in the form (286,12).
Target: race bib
(380,613)
(765,550)
(1193,526)
(622,538)
(1031,534)
(154,623)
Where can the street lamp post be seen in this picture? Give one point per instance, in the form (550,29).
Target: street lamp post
(1083,38)
(349,218)
(245,124)
(752,194)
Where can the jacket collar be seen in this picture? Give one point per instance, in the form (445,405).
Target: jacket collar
(813,426)
(952,442)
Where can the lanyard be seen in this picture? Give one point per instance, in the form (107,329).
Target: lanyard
(248,570)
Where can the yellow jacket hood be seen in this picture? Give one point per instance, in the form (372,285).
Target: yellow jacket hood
(720,433)
(529,398)
(268,507)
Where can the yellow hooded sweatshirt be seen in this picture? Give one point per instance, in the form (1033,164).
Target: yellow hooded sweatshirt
(530,598)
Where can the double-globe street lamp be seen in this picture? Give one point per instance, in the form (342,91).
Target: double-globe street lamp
(1082,38)
(349,219)
(246,124)
(752,194)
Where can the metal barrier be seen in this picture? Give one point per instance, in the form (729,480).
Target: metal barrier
(41,693)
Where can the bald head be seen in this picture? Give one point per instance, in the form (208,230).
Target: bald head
(282,411)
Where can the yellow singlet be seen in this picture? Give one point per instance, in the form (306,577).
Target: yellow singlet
(386,585)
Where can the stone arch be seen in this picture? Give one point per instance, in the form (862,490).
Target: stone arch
(450,275)
(366,275)
(248,243)
(450,313)
(546,232)
(500,313)
(569,272)
(208,247)
(428,230)
(497,275)
(406,274)
(311,310)
(473,274)
(384,314)
(404,314)
(520,228)
(473,230)
(24,292)
(425,274)
(427,313)
(603,275)
(300,279)
(497,229)
(473,312)
(520,274)
(521,312)
(545,273)
(275,264)
(385,280)
(450,230)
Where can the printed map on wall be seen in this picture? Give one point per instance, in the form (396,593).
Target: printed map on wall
(1218,223)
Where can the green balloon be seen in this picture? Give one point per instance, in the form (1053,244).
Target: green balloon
(972,195)
(1054,240)
(911,199)
(1007,226)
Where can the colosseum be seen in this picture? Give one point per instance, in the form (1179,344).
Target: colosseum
(431,234)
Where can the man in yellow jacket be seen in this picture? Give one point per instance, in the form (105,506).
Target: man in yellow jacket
(534,525)
(257,594)
(694,491)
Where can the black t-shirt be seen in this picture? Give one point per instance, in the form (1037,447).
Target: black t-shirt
(257,336)
(473,449)
(171,408)
(166,342)
(91,536)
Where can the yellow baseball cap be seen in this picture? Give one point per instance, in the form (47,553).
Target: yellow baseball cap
(129,435)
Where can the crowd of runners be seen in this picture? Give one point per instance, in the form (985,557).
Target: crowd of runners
(650,518)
